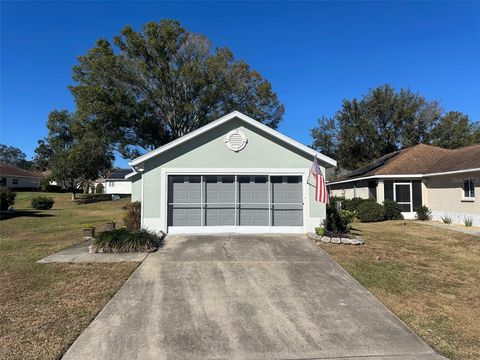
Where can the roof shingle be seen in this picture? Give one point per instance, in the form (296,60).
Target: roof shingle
(419,159)
(11,170)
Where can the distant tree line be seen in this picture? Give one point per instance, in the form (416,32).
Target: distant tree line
(385,120)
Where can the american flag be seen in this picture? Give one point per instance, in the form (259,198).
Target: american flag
(321,193)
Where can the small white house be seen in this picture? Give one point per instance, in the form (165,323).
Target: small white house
(116,183)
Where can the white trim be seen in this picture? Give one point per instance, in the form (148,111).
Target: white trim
(304,173)
(129,175)
(224,119)
(142,203)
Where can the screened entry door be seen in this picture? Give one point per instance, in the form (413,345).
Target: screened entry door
(403,196)
(234,201)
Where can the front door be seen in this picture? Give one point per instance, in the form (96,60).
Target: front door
(403,196)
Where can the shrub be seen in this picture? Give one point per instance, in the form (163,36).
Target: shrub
(99,189)
(46,187)
(132,217)
(320,231)
(424,213)
(370,211)
(354,203)
(392,210)
(126,240)
(447,219)
(42,202)
(7,198)
(337,220)
(468,221)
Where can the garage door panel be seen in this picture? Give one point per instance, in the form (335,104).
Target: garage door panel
(184,189)
(219,215)
(253,189)
(219,189)
(181,215)
(253,215)
(184,197)
(287,201)
(287,215)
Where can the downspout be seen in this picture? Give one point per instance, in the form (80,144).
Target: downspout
(140,169)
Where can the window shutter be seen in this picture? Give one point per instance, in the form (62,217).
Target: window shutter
(388,189)
(417,194)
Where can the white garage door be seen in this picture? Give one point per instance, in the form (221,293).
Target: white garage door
(234,201)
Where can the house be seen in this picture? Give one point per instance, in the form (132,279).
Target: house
(13,177)
(231,175)
(447,181)
(116,183)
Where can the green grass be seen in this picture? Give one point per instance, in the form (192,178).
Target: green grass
(428,276)
(44,307)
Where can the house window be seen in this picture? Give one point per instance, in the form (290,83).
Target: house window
(3,182)
(15,181)
(111,184)
(469,189)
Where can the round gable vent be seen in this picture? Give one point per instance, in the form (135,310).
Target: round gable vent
(235,140)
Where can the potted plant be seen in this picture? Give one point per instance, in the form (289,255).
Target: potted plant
(89,231)
(110,225)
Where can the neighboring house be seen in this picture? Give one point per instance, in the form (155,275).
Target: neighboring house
(231,175)
(447,181)
(116,183)
(15,178)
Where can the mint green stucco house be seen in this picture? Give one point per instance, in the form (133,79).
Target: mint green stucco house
(232,175)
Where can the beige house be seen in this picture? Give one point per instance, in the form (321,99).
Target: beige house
(447,181)
(13,177)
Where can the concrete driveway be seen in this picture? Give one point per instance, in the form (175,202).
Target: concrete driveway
(245,297)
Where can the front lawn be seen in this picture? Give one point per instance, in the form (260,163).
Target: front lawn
(429,277)
(44,307)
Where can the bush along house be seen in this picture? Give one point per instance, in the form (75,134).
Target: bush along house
(232,175)
(446,181)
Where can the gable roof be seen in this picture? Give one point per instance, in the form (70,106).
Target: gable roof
(11,170)
(418,161)
(327,161)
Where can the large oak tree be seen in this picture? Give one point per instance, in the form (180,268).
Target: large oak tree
(149,87)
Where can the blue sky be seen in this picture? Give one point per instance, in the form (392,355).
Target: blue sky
(315,54)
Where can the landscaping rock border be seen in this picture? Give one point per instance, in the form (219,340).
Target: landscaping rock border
(335,240)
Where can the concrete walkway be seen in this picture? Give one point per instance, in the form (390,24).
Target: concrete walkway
(245,297)
(79,254)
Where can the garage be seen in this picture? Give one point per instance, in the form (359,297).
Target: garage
(232,175)
(235,201)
